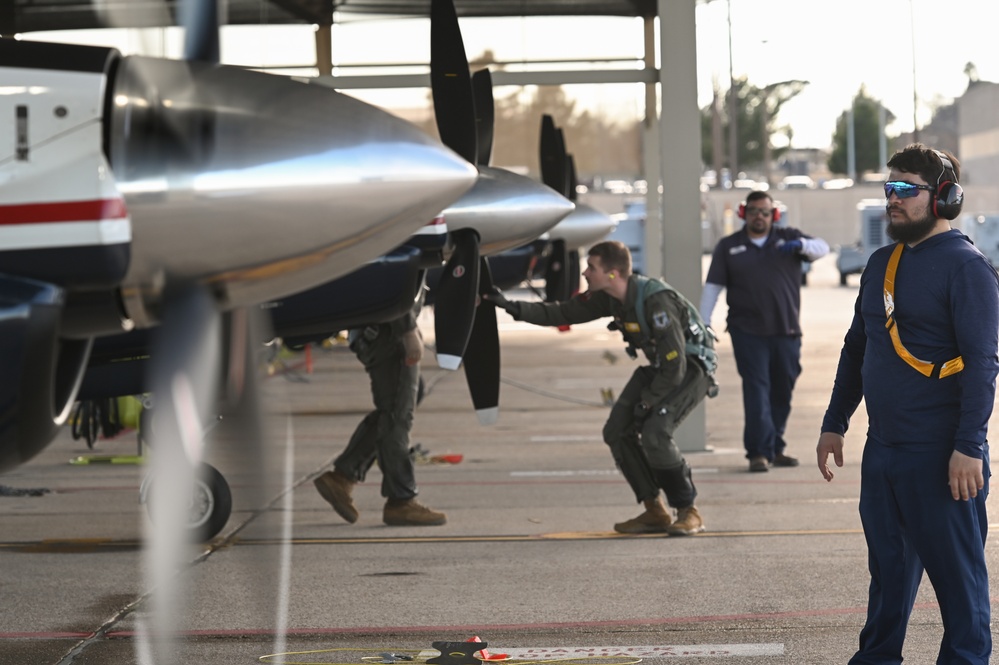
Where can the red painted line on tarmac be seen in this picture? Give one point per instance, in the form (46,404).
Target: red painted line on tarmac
(471,629)
(51,635)
(381,630)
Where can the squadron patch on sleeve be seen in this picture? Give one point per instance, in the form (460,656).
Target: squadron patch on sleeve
(660,320)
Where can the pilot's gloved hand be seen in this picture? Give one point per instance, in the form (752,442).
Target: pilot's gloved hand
(791,247)
(496,297)
(412,343)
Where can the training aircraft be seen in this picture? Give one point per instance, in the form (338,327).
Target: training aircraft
(136,187)
(502,210)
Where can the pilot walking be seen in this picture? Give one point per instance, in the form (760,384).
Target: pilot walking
(391,354)
(661,323)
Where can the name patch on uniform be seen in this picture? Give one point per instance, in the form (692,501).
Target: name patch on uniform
(660,320)
(632,327)
(738,249)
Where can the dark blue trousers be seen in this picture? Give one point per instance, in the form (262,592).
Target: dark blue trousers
(911,522)
(769,366)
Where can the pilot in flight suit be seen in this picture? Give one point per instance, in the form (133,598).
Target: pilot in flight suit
(391,354)
(656,320)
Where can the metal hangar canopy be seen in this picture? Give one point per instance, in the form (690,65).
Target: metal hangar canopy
(18,16)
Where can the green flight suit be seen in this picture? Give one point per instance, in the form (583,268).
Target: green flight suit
(673,383)
(384,433)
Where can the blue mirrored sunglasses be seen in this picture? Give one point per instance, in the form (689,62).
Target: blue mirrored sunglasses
(904,190)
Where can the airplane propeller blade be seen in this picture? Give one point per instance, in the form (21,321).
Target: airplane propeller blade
(454,304)
(485,120)
(555,173)
(454,112)
(571,181)
(553,165)
(557,283)
(184,376)
(482,356)
(571,263)
(450,82)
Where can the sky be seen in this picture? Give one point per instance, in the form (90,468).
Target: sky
(837,47)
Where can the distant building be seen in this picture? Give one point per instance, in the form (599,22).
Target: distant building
(942,133)
(978,136)
(804,161)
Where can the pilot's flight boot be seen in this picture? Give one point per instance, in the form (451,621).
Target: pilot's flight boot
(655,519)
(410,512)
(335,488)
(688,522)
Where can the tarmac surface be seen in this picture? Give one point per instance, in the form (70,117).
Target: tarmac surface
(527,561)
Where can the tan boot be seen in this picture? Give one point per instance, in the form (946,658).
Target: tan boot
(688,522)
(655,519)
(335,488)
(409,512)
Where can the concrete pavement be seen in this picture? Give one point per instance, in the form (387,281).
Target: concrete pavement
(527,559)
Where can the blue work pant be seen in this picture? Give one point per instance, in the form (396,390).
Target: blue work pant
(769,366)
(912,522)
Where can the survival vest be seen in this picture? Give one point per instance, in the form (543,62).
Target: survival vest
(700,339)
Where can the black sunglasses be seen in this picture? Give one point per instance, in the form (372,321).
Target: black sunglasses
(904,190)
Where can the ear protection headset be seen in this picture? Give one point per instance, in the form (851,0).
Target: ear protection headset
(950,195)
(776,213)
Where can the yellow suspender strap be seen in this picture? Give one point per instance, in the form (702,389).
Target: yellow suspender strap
(922,366)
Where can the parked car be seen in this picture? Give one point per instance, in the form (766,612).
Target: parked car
(797,182)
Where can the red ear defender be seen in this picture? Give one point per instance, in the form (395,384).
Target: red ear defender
(948,201)
(950,195)
(742,212)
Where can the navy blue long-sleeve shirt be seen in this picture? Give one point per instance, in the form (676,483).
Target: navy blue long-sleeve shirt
(946,304)
(763,283)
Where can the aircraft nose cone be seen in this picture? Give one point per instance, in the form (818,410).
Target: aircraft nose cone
(507,210)
(583,226)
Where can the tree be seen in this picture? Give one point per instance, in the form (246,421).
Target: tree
(866,133)
(599,145)
(756,123)
(971,71)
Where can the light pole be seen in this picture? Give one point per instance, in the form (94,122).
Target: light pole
(912,35)
(733,106)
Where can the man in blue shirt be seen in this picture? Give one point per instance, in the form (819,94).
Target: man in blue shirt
(760,266)
(922,352)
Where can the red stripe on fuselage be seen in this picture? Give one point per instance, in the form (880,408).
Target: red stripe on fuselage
(63,211)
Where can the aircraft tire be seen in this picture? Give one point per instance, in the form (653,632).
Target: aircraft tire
(210,506)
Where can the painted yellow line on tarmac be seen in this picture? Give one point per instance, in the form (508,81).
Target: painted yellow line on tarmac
(564,535)
(89,545)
